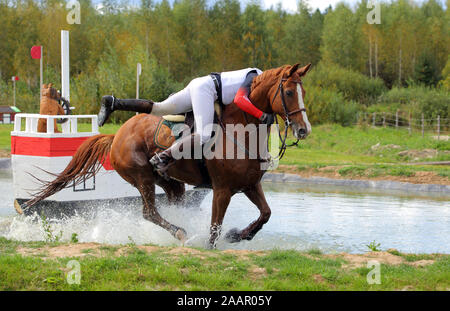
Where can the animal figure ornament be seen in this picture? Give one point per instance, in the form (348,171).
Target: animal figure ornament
(52,104)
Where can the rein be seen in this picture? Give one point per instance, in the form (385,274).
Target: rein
(287,121)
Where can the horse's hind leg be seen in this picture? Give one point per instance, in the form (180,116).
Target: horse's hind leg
(146,187)
(256,195)
(174,189)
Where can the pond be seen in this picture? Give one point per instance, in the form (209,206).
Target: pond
(304,217)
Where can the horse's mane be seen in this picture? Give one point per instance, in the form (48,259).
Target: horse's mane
(265,80)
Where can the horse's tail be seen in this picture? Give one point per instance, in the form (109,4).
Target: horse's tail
(86,162)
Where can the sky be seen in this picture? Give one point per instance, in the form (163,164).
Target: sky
(288,5)
(291,5)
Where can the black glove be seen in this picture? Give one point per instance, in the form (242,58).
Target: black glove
(267,118)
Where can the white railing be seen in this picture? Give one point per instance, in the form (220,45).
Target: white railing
(69,127)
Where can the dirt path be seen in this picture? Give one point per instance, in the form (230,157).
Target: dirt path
(420,177)
(103,250)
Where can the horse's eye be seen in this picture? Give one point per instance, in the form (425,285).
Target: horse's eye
(289,93)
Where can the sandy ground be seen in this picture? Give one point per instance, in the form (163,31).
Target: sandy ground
(4,153)
(421,177)
(102,250)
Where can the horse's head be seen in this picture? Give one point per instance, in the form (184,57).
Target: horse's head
(53,103)
(286,96)
(50,92)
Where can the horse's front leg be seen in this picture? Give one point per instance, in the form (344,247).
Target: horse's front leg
(256,195)
(221,199)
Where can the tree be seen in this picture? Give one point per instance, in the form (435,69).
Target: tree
(303,32)
(257,44)
(340,38)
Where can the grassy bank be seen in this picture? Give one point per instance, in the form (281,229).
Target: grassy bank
(348,152)
(43,266)
(367,152)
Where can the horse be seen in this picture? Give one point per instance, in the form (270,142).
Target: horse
(278,91)
(50,105)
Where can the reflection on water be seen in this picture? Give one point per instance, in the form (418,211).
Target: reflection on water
(303,217)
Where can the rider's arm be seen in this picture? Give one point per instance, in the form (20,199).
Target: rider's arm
(241,99)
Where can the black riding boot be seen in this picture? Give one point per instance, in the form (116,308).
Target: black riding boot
(163,160)
(110,104)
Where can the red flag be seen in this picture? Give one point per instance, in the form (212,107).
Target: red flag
(15,78)
(36,52)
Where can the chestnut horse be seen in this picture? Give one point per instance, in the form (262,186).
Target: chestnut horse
(277,91)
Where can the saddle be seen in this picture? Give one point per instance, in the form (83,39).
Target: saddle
(176,123)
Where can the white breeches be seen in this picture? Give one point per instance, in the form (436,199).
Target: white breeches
(199,96)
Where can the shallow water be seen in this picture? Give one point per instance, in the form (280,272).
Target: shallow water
(303,217)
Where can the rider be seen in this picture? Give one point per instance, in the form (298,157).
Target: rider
(199,96)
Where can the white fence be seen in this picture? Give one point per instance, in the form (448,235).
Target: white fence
(69,127)
(402,121)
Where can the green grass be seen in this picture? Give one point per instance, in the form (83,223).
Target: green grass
(5,136)
(334,145)
(211,270)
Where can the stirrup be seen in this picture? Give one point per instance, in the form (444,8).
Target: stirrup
(160,166)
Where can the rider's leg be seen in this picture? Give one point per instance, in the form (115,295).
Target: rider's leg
(203,95)
(110,104)
(177,103)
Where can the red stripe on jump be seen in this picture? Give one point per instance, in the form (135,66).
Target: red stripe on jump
(45,146)
(51,147)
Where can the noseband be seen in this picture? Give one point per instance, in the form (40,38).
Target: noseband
(287,121)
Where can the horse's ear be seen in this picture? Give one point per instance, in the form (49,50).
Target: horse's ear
(292,70)
(302,71)
(50,85)
(44,86)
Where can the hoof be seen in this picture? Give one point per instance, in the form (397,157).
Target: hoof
(210,245)
(181,235)
(233,236)
(18,207)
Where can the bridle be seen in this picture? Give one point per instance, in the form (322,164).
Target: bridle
(287,114)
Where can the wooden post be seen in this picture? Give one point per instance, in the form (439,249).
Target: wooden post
(384,119)
(65,65)
(438,126)
(396,119)
(409,124)
(41,73)
(373,119)
(423,126)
